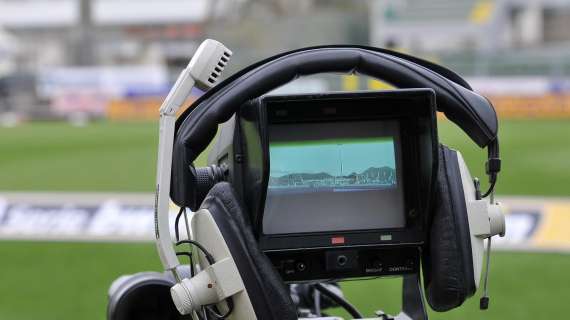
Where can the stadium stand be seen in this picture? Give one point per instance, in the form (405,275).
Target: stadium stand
(435,11)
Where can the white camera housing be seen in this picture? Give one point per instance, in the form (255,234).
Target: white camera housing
(214,283)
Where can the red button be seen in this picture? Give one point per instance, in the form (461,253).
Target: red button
(337,240)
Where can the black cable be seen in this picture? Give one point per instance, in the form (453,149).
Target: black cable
(177,234)
(191,265)
(493,165)
(340,301)
(491,188)
(189,255)
(207,254)
(225,315)
(176,222)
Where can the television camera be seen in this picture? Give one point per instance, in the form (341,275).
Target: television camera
(305,190)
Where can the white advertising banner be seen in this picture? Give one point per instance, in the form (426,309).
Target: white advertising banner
(532,223)
(78,217)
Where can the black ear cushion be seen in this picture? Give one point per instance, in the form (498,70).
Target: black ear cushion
(448,261)
(266,290)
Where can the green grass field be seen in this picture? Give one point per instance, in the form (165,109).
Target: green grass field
(60,281)
(42,280)
(122,156)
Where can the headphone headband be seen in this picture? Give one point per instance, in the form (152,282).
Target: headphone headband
(197,126)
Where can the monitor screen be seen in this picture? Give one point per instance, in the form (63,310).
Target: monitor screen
(334,176)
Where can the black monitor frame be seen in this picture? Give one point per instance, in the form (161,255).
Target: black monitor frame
(243,148)
(414,109)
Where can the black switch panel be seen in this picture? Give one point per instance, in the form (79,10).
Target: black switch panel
(341,263)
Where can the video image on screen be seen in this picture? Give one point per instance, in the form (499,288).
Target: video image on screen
(338,165)
(334,176)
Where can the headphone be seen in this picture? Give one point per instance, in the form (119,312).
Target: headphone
(448,266)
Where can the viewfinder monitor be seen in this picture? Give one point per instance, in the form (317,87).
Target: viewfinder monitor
(334,176)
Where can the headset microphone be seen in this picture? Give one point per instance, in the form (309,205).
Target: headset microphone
(203,71)
(498,222)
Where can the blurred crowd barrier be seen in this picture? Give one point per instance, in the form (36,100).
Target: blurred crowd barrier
(526,97)
(136,93)
(145,108)
(545,106)
(532,223)
(133,109)
(550,106)
(513,97)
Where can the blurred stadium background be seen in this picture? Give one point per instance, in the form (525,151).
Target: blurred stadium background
(80,86)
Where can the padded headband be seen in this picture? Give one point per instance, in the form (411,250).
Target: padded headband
(198,125)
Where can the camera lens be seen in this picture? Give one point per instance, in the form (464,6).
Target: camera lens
(341,260)
(301,266)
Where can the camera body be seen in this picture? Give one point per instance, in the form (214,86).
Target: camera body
(337,185)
